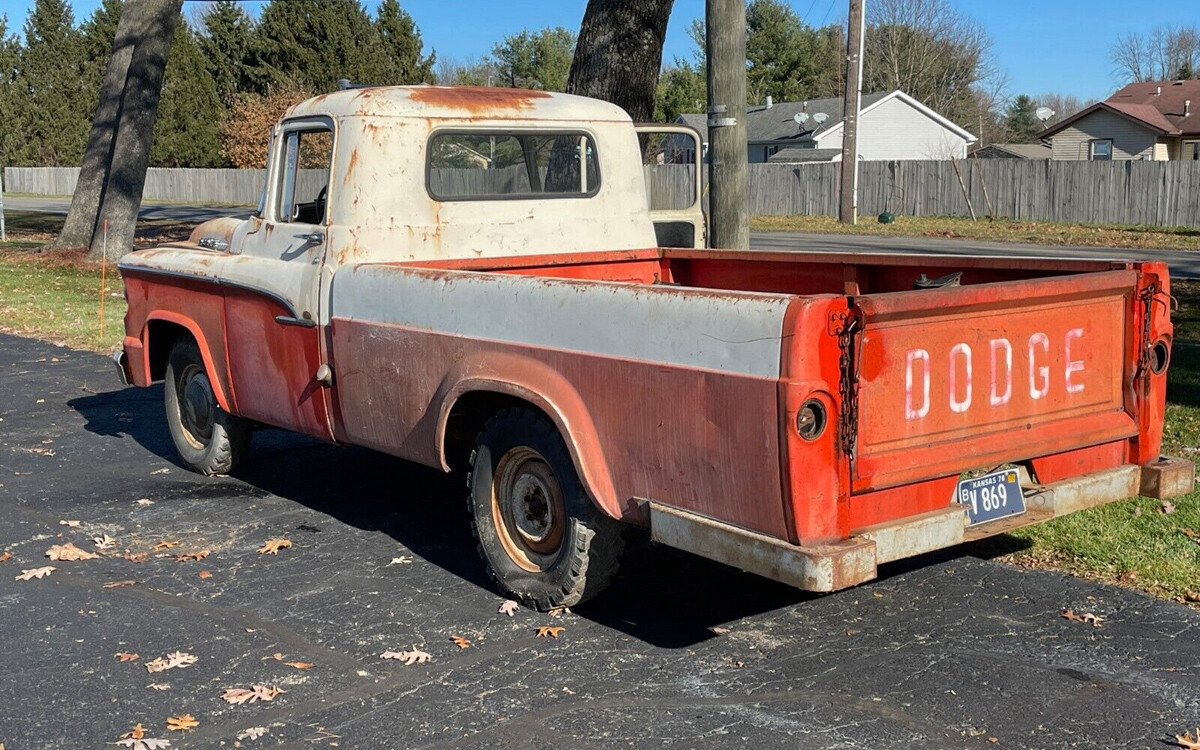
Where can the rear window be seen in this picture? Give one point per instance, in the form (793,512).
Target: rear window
(508,165)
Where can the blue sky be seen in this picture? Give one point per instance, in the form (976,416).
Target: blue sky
(1048,45)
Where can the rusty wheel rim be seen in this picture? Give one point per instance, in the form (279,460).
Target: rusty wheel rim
(197,406)
(528,509)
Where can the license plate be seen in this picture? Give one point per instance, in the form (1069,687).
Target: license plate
(991,496)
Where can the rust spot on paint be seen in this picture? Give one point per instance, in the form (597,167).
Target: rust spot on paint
(477,99)
(350,169)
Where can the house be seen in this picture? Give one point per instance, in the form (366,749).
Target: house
(1013,151)
(1154,121)
(891,126)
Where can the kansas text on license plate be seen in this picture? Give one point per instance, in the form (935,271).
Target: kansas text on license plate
(991,496)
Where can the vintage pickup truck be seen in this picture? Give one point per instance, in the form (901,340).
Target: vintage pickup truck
(471,279)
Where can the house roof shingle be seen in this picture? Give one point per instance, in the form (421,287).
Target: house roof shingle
(1161,106)
(777,122)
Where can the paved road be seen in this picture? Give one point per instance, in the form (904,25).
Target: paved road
(1183,264)
(681,653)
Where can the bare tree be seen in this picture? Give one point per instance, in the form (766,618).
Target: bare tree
(1164,53)
(1063,105)
(619,52)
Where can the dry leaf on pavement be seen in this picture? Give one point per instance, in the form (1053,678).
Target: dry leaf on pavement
(206,574)
(549,630)
(126,656)
(401,560)
(253,733)
(277,656)
(238,696)
(166,544)
(104,542)
(508,607)
(416,656)
(69,552)
(176,723)
(459,641)
(72,524)
(36,573)
(145,501)
(139,557)
(159,686)
(1086,617)
(5,557)
(176,660)
(136,739)
(1185,740)
(272,546)
(190,556)
(117,584)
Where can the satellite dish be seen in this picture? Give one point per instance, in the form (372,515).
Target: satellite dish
(801,118)
(820,117)
(1044,113)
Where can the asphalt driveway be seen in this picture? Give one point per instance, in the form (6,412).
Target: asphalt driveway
(953,653)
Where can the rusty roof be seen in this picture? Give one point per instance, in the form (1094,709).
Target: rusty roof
(458,102)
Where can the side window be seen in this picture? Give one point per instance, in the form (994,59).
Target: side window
(1101,150)
(465,166)
(304,176)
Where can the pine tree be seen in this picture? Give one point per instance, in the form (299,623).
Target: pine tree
(314,43)
(1021,120)
(10,134)
(534,60)
(186,131)
(51,96)
(402,47)
(227,33)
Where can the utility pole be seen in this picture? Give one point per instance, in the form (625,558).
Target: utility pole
(725,46)
(848,197)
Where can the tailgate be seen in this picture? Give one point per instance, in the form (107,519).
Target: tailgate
(962,378)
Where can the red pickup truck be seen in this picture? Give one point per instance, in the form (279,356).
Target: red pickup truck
(471,279)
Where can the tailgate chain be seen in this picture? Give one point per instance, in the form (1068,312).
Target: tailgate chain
(848,324)
(1147,299)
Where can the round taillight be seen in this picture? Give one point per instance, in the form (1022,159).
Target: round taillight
(811,419)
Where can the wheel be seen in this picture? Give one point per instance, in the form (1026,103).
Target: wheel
(544,542)
(209,439)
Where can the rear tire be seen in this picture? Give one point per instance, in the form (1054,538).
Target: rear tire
(544,542)
(209,439)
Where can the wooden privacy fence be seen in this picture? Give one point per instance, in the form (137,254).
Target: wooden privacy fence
(1116,192)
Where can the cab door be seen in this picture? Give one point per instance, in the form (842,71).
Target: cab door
(673,161)
(272,295)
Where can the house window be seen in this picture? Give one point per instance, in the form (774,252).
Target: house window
(1191,151)
(1100,150)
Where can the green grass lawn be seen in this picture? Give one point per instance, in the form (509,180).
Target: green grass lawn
(1000,230)
(1130,543)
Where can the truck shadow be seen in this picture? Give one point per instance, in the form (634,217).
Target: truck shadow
(665,597)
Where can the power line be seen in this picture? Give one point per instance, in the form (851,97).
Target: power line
(827,10)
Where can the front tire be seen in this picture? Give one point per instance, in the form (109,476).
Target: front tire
(544,542)
(209,439)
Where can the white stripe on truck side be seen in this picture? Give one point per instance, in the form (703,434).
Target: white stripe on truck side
(734,332)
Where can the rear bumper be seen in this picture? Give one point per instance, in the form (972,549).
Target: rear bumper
(855,560)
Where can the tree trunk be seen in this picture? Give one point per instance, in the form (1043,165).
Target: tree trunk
(81,220)
(619,53)
(135,126)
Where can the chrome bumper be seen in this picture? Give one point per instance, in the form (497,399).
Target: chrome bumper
(853,561)
(119,359)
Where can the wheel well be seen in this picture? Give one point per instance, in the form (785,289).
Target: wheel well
(161,337)
(468,416)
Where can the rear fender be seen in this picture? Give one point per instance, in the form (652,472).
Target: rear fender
(550,392)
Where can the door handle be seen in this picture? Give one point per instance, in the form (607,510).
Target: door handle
(312,238)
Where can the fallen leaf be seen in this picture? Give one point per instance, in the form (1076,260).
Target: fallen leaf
(5,557)
(36,573)
(104,542)
(126,656)
(161,471)
(177,723)
(1137,511)
(145,501)
(69,552)
(72,524)
(277,656)
(159,686)
(272,546)
(459,641)
(190,556)
(719,630)
(1086,617)
(137,740)
(176,660)
(238,696)
(165,544)
(549,630)
(416,656)
(118,584)
(1167,508)
(139,557)
(136,733)
(508,607)
(206,574)
(401,560)
(253,733)
(1128,576)
(1185,740)
(1191,596)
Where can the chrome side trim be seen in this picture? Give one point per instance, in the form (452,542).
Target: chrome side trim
(124,268)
